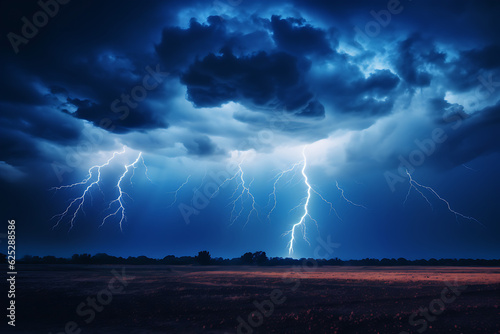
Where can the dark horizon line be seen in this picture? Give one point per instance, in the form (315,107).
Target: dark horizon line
(248,258)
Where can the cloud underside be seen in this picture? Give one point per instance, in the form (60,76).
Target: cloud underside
(307,63)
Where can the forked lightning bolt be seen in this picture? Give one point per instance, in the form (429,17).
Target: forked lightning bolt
(79,201)
(120,199)
(302,222)
(244,190)
(241,197)
(415,185)
(276,180)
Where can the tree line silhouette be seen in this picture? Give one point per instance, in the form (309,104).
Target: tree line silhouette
(257,258)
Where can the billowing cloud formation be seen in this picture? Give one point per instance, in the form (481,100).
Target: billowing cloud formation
(201,146)
(308,62)
(179,47)
(261,81)
(295,36)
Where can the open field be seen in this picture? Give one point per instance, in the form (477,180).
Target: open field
(192,299)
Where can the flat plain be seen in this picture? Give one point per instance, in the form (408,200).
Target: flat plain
(250,299)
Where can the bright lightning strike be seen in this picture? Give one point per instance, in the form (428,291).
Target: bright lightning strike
(79,202)
(120,199)
(245,190)
(415,185)
(302,222)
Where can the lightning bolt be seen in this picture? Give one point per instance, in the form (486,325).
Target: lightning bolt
(467,167)
(415,185)
(302,222)
(345,198)
(229,179)
(145,169)
(120,199)
(244,190)
(175,192)
(241,197)
(197,189)
(276,180)
(80,201)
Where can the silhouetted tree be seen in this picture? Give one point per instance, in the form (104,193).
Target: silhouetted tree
(78,258)
(203,258)
(169,259)
(27,259)
(247,258)
(402,262)
(259,257)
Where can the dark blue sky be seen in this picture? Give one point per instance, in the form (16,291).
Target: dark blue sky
(241,90)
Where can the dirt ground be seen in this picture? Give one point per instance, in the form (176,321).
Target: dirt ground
(304,299)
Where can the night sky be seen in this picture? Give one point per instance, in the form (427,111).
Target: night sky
(241,90)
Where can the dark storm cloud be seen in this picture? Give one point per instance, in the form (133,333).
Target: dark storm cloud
(409,63)
(18,86)
(91,54)
(380,82)
(139,119)
(462,73)
(271,81)
(352,95)
(86,63)
(179,47)
(201,146)
(25,128)
(295,36)
(470,137)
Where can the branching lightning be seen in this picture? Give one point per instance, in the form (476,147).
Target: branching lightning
(345,198)
(306,214)
(276,180)
(245,190)
(239,196)
(304,202)
(415,185)
(120,199)
(79,202)
(302,222)
(176,192)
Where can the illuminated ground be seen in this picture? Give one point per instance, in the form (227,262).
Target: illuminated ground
(188,299)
